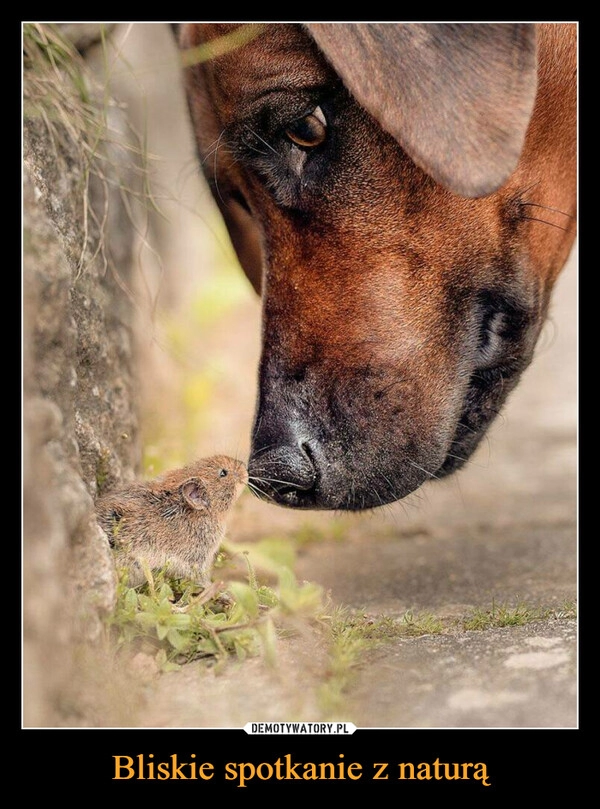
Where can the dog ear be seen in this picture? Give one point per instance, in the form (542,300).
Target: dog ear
(456,96)
(243,230)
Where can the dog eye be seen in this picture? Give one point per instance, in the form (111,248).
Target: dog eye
(309,131)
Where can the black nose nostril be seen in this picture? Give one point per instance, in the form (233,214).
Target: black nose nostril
(307,452)
(283,469)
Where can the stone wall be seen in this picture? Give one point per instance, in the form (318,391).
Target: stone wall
(80,422)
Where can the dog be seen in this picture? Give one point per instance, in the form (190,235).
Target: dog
(403,197)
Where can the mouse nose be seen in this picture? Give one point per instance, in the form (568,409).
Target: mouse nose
(281,472)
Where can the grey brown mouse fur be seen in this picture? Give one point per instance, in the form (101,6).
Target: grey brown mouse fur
(176,521)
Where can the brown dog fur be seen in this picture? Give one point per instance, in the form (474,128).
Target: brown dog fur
(406,260)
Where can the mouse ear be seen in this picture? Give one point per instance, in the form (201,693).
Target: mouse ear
(195,494)
(456,96)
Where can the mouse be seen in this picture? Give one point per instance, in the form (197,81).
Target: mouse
(175,521)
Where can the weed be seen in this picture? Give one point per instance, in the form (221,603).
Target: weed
(86,125)
(502,615)
(567,609)
(221,45)
(423,624)
(56,93)
(177,621)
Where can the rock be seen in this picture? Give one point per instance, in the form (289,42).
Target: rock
(80,411)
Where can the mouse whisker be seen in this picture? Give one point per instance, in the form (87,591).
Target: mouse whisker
(260,493)
(273,480)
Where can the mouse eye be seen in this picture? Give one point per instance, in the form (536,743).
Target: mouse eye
(309,131)
(223,473)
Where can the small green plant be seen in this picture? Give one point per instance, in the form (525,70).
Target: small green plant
(500,615)
(497,616)
(65,97)
(422,624)
(179,621)
(567,609)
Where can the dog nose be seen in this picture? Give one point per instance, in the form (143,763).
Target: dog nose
(281,472)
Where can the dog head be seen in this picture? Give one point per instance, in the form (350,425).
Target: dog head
(403,196)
